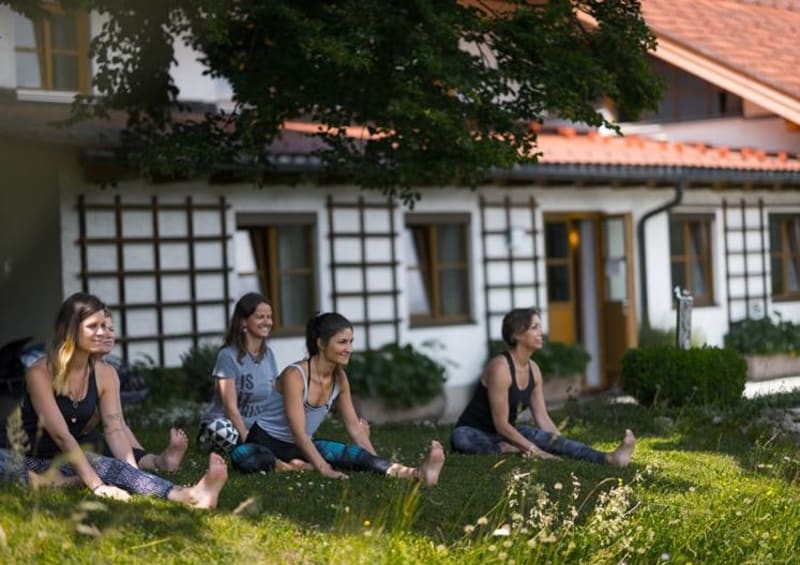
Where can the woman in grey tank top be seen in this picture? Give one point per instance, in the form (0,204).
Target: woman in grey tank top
(304,394)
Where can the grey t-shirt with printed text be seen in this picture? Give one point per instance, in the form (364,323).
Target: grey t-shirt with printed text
(255,383)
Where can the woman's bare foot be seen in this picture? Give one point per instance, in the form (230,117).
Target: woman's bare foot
(204,494)
(430,468)
(621,456)
(292,466)
(171,458)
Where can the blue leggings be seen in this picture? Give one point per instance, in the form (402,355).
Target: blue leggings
(110,470)
(469,440)
(340,455)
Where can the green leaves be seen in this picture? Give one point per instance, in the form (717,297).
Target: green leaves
(399,374)
(451,89)
(679,377)
(763,336)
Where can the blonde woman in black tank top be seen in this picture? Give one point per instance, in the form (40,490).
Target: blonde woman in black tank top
(64,391)
(510,383)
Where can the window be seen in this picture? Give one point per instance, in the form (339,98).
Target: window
(688,97)
(53,54)
(690,256)
(784,244)
(438,268)
(275,255)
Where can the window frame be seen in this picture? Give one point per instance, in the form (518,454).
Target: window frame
(45,52)
(431,267)
(707,258)
(783,255)
(680,93)
(268,271)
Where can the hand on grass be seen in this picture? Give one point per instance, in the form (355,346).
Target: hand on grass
(110,491)
(332,473)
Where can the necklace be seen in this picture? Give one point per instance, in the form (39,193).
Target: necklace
(84,388)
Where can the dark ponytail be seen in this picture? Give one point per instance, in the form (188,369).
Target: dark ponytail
(323,327)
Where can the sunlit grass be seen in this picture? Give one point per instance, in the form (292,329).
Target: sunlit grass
(705,487)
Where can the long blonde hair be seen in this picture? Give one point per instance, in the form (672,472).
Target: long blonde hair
(73,311)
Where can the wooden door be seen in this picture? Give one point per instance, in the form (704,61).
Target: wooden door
(619,312)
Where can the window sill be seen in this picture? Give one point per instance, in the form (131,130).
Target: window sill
(422,324)
(784,299)
(54,96)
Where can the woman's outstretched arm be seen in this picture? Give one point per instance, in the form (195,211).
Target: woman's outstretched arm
(355,429)
(538,405)
(114,429)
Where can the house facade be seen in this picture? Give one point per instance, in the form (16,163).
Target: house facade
(703,194)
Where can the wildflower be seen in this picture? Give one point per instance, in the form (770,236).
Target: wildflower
(482,521)
(469,528)
(692,489)
(502,556)
(503,530)
(531,542)
(441,548)
(507,543)
(492,548)
(665,556)
(558,486)
(367,523)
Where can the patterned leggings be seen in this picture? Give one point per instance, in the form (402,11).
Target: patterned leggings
(111,471)
(466,439)
(340,455)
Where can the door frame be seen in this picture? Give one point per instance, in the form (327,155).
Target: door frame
(631,334)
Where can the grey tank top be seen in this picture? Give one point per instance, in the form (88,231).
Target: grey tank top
(273,421)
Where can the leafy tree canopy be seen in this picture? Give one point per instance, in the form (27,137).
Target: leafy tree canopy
(448,89)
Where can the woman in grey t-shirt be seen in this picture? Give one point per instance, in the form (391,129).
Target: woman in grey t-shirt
(245,370)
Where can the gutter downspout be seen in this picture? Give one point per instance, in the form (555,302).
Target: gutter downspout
(679,188)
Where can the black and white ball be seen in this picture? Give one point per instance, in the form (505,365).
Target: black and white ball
(219,435)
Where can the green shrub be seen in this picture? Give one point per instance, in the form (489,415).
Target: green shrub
(165,383)
(675,377)
(555,358)
(191,381)
(400,375)
(198,365)
(763,336)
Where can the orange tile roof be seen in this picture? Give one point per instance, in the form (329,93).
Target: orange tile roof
(757,38)
(565,146)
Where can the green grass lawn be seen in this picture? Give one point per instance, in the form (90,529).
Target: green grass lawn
(706,486)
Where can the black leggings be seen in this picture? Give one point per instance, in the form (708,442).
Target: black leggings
(340,455)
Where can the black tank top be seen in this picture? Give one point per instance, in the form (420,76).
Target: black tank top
(478,413)
(77,415)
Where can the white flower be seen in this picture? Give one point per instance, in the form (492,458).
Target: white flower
(504,530)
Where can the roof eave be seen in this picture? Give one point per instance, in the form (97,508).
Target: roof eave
(729,79)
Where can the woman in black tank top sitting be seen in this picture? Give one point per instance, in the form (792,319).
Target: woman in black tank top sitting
(510,382)
(64,392)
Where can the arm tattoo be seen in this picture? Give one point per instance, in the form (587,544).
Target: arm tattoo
(110,419)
